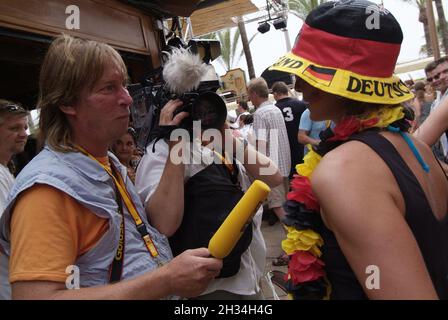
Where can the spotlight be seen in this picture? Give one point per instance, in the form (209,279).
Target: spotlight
(280,23)
(264,27)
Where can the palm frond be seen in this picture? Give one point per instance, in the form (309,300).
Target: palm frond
(242,52)
(304,7)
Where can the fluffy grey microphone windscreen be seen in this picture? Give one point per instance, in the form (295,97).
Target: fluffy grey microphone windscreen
(183,71)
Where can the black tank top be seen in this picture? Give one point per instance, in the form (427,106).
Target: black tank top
(430,234)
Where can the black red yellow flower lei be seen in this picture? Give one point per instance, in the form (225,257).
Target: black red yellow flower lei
(306,272)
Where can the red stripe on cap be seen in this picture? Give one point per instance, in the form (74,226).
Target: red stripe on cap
(322,76)
(365,57)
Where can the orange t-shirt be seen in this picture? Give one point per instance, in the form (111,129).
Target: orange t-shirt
(49,231)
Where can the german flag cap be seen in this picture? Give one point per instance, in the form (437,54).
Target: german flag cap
(349,48)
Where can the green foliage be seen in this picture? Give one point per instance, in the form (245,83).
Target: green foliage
(303,7)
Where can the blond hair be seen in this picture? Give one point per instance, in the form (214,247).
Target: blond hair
(259,87)
(70,65)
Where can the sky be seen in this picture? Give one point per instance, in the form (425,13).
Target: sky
(268,47)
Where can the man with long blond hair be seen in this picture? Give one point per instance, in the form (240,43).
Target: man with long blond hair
(74,219)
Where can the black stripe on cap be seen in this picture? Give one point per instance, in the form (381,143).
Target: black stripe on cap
(348,19)
(323,70)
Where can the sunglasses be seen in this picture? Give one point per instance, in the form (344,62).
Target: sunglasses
(437,76)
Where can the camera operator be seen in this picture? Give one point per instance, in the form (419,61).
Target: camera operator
(188,201)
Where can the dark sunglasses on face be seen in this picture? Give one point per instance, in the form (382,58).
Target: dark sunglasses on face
(437,76)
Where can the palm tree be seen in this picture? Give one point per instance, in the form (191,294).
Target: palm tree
(423,18)
(439,37)
(303,7)
(246,47)
(442,24)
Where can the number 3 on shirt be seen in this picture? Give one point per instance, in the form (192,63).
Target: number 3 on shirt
(288,114)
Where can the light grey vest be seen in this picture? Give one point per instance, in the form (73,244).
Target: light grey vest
(87,182)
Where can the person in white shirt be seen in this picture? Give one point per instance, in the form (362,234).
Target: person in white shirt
(246,122)
(433,131)
(271,139)
(437,76)
(13,136)
(162,183)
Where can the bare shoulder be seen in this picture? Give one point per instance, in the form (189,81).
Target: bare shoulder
(360,202)
(353,161)
(422,146)
(351,179)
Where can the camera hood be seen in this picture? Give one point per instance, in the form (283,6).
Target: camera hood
(211,109)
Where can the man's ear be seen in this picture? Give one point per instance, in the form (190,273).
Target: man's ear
(68,110)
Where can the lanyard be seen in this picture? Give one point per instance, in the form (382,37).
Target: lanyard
(224,160)
(141,228)
(231,167)
(116,268)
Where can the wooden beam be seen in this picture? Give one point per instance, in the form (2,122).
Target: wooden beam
(117,24)
(219,16)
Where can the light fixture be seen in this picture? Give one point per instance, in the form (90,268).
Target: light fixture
(280,23)
(264,27)
(208,49)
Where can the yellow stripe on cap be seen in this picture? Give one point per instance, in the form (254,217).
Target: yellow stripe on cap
(346,83)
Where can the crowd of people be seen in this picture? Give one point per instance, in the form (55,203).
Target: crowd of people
(357,170)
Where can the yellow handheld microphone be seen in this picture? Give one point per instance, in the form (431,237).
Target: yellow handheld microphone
(230,231)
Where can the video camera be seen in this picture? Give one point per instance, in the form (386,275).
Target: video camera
(186,77)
